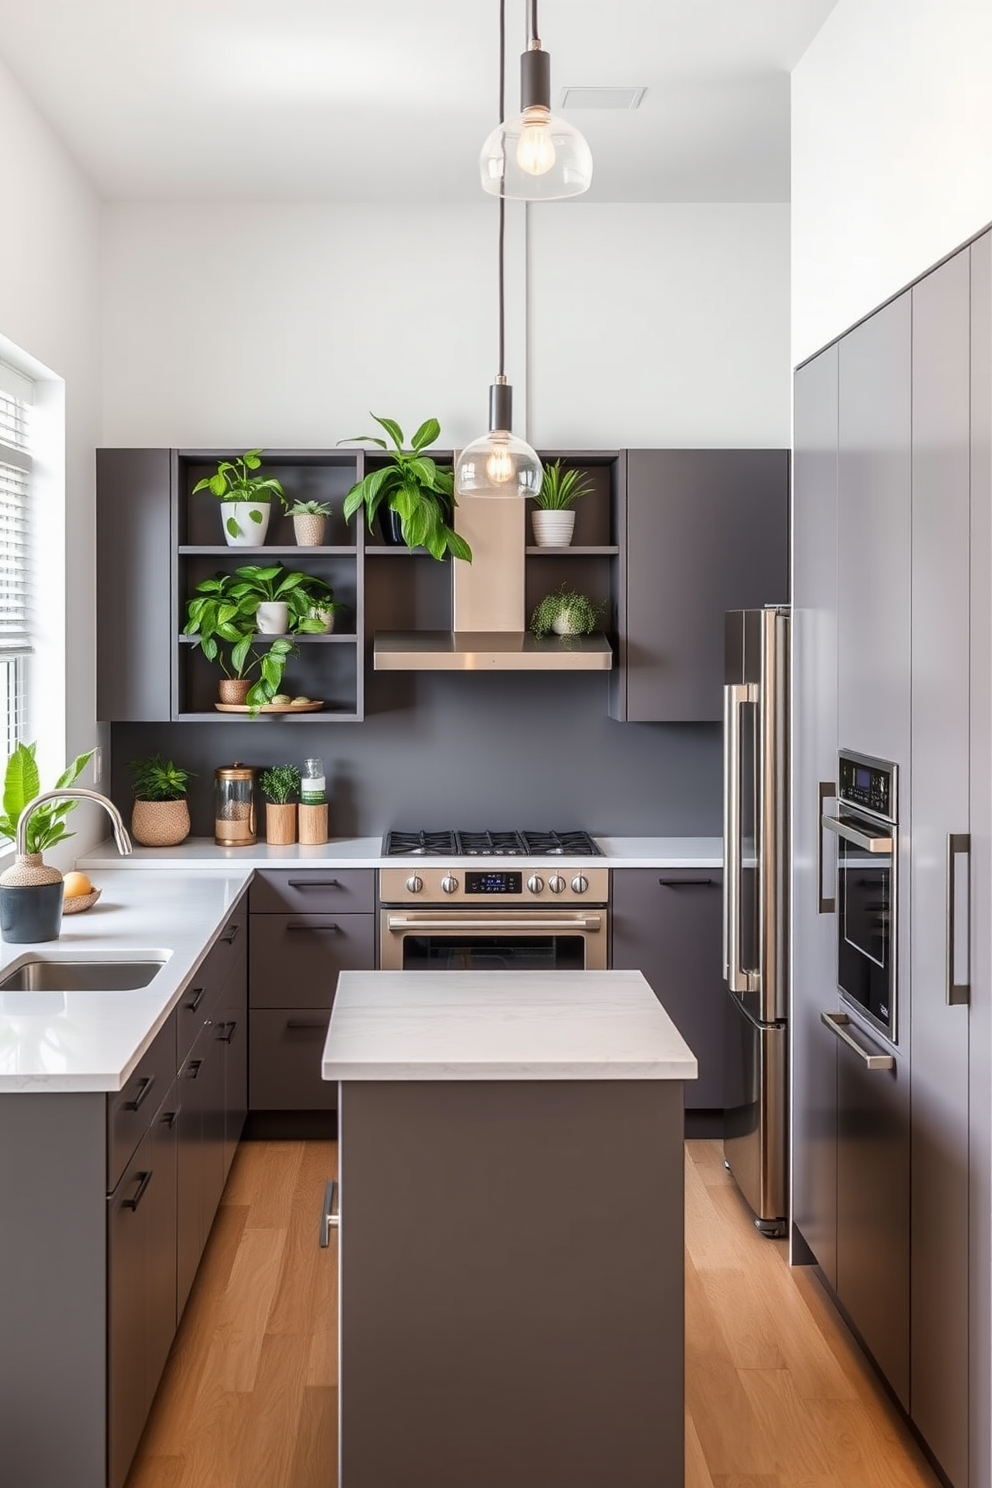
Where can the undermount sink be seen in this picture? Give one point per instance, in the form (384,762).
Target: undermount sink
(75,974)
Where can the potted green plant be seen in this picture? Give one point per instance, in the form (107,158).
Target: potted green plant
(31,890)
(160,814)
(279,785)
(414,487)
(245,498)
(553,520)
(214,616)
(309,522)
(279,599)
(565,612)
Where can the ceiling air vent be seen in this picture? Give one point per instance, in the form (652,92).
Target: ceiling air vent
(601,98)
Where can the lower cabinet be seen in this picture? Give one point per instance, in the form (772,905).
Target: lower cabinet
(305,928)
(667,924)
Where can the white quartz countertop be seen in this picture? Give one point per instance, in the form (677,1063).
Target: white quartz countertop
(502,1025)
(58,1041)
(202,853)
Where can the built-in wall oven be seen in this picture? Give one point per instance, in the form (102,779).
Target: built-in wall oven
(866,826)
(494,912)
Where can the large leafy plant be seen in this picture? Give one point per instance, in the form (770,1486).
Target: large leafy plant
(222,623)
(252,585)
(21,784)
(233,481)
(412,484)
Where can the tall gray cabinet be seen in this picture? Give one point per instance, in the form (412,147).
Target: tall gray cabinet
(892,573)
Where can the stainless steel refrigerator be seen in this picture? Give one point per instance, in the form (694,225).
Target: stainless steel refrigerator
(756,908)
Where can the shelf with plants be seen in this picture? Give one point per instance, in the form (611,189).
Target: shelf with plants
(588,564)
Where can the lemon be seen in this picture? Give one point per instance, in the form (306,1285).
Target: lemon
(75,884)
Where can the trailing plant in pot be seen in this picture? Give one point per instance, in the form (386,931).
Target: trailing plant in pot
(245,498)
(278,599)
(279,785)
(31,890)
(553,520)
(565,612)
(214,616)
(309,522)
(160,814)
(412,485)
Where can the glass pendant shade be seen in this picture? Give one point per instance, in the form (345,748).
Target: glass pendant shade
(498,465)
(535,157)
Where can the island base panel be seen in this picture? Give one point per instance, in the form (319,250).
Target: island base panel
(511,1283)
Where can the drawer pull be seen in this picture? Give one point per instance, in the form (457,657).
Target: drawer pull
(142,1095)
(302,925)
(838,1023)
(170,1118)
(314,883)
(229,939)
(222,1037)
(329,1217)
(687,883)
(192,1069)
(195,1000)
(145,1179)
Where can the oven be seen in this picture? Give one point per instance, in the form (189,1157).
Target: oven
(866,827)
(489,917)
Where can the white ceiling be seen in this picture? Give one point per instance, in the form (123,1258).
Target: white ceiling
(386,100)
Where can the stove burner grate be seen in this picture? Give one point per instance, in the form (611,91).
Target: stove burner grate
(490,844)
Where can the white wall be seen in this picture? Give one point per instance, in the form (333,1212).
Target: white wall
(50,309)
(284,325)
(891,154)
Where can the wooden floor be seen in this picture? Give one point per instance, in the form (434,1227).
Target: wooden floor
(777,1393)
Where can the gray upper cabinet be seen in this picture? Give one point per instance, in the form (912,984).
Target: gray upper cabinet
(134,538)
(940,807)
(814,765)
(700,532)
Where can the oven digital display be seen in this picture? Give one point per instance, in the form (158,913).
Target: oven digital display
(493,883)
(862,778)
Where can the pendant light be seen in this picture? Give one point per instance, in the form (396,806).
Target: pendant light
(536,156)
(499,464)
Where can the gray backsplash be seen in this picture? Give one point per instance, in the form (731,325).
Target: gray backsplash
(471,751)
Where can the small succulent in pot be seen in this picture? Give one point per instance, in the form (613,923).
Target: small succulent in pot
(553,520)
(565,612)
(280,784)
(160,815)
(245,498)
(309,522)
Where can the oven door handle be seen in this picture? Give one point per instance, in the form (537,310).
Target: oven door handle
(462,922)
(870,842)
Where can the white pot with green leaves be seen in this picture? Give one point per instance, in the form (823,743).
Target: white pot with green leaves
(552,519)
(245,499)
(566,613)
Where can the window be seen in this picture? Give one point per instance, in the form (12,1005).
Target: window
(15,556)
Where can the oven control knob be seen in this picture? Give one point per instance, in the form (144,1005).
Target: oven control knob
(414,884)
(556,884)
(580,884)
(449,884)
(535,883)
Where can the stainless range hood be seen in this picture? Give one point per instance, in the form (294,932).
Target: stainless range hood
(489,610)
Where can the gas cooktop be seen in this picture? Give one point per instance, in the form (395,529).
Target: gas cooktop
(489,844)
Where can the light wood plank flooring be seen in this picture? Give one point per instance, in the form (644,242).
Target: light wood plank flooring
(778,1395)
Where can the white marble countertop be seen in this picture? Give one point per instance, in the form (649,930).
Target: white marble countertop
(502,1025)
(57,1041)
(366,852)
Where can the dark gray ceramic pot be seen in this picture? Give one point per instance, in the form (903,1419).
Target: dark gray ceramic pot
(30,912)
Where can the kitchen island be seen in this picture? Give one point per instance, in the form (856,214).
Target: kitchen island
(511,1229)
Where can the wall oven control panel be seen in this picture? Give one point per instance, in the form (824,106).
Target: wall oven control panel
(868,783)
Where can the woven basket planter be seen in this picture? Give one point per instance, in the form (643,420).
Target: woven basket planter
(160,823)
(309,530)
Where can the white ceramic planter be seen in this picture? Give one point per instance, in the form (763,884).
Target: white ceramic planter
(553,529)
(566,624)
(249,518)
(272,617)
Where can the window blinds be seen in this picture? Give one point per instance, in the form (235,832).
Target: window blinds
(15,553)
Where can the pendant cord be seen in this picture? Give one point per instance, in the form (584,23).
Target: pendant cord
(533,20)
(502,200)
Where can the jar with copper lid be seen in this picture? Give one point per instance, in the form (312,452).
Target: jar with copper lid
(234,805)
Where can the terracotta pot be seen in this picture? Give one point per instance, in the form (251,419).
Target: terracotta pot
(553,529)
(309,529)
(160,823)
(233,689)
(280,823)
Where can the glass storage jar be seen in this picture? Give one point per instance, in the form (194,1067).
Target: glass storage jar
(234,805)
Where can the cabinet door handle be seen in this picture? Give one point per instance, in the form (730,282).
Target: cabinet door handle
(825,791)
(314,883)
(222,1037)
(687,883)
(145,1179)
(838,1024)
(193,1069)
(170,1118)
(329,1217)
(142,1095)
(230,939)
(958,846)
(302,925)
(195,1000)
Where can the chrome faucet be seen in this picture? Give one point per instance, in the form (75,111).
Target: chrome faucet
(75,793)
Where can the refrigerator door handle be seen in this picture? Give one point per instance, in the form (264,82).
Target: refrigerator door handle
(958,846)
(735,695)
(825,791)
